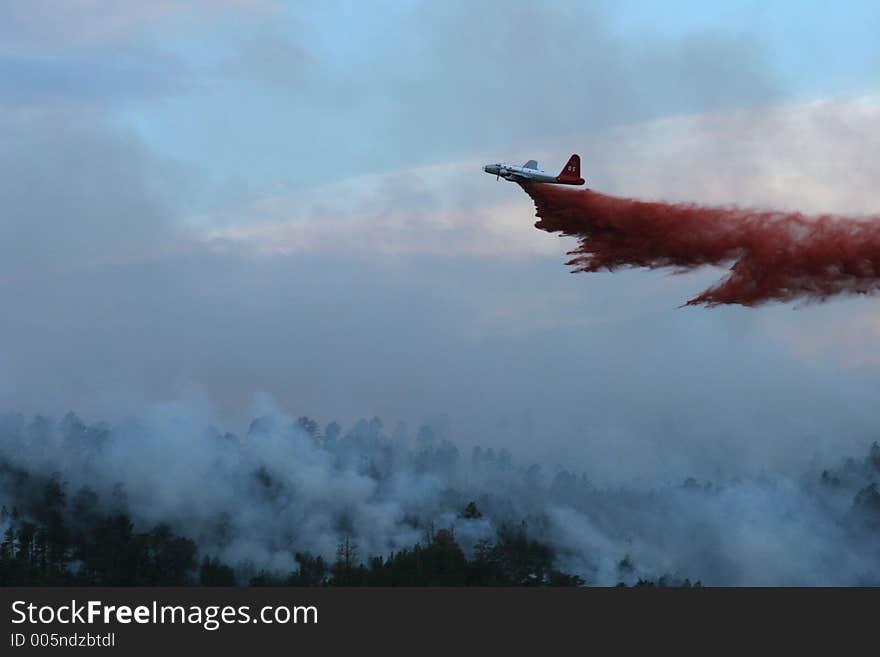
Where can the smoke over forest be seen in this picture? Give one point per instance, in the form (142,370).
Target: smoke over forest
(775,256)
(256,503)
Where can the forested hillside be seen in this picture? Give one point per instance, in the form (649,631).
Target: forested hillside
(166,502)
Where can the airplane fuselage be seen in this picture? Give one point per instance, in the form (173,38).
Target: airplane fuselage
(513,171)
(529,172)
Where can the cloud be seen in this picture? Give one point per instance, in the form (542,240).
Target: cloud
(438,210)
(78,194)
(459,75)
(814,157)
(312,96)
(97,52)
(94,78)
(45,25)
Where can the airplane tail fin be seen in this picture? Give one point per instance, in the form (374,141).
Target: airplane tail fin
(571,172)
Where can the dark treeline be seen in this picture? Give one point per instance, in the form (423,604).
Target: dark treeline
(52,541)
(290,503)
(53,535)
(52,538)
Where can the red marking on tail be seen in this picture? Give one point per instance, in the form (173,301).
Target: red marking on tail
(571,172)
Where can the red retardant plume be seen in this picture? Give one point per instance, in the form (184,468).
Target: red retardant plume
(773,256)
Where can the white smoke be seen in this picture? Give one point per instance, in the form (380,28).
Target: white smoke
(256,500)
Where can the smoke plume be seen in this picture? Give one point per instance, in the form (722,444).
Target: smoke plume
(288,486)
(773,256)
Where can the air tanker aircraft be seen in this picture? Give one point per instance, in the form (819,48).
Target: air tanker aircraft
(529,172)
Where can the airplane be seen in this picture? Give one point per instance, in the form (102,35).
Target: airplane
(529,172)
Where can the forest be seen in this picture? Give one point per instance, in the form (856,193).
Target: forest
(50,542)
(164,502)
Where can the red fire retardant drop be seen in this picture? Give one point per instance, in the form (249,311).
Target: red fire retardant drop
(773,256)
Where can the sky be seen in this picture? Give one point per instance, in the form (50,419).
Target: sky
(232,200)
